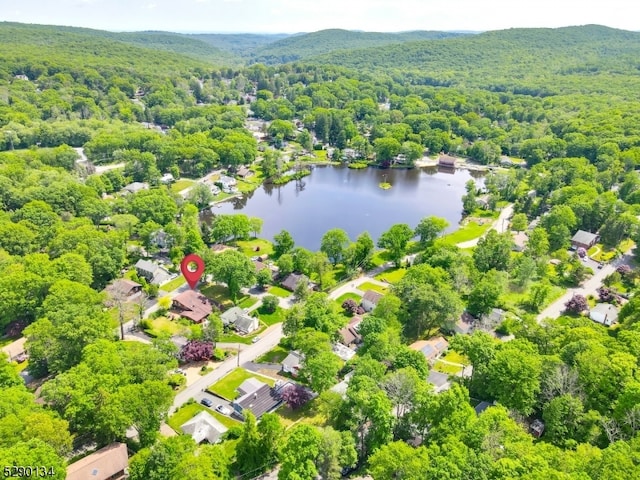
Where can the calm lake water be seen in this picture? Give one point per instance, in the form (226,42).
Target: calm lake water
(338,197)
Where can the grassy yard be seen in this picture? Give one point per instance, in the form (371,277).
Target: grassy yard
(454,357)
(245,339)
(163,327)
(226,386)
(308,414)
(271,318)
(275,355)
(279,291)
(372,286)
(392,276)
(446,368)
(182,184)
(248,247)
(349,295)
(380,258)
(190,410)
(248,301)
(173,284)
(219,293)
(468,232)
(130,313)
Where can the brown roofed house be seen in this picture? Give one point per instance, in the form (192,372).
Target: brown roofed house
(244,172)
(584,239)
(349,335)
(193,305)
(292,280)
(108,463)
(124,287)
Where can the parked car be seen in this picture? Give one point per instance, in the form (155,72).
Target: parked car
(255,339)
(206,402)
(223,410)
(180,371)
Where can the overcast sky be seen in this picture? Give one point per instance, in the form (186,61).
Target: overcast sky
(291,16)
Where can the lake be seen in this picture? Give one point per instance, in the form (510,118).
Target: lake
(339,197)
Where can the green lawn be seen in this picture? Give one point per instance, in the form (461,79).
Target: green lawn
(226,386)
(379,258)
(248,301)
(454,357)
(245,339)
(173,284)
(372,286)
(187,412)
(446,368)
(349,295)
(279,291)
(248,247)
(272,318)
(275,355)
(219,293)
(163,327)
(470,231)
(182,184)
(392,276)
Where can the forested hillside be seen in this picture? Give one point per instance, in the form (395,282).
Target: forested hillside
(110,44)
(589,59)
(300,47)
(240,44)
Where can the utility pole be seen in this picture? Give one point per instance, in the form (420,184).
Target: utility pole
(238,355)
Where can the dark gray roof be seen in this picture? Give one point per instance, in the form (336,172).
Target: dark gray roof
(263,400)
(481,407)
(233,315)
(437,379)
(585,238)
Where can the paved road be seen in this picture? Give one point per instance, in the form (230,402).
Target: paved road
(500,225)
(352,286)
(270,338)
(589,287)
(186,191)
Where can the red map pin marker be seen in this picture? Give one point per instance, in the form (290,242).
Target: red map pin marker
(194,276)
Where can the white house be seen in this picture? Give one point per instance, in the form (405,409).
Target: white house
(370,299)
(240,320)
(604,314)
(292,363)
(167,178)
(204,427)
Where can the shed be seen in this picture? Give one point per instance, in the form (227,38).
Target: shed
(446,161)
(244,172)
(370,299)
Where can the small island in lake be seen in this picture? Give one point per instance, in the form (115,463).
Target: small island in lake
(384,185)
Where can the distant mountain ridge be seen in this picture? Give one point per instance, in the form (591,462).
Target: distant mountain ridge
(301,47)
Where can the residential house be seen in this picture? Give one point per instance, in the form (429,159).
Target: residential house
(432,348)
(465,324)
(446,161)
(227,183)
(537,428)
(260,401)
(123,287)
(292,363)
(203,427)
(439,380)
(192,305)
(520,240)
(161,239)
(349,336)
(604,314)
(244,172)
(21,77)
(483,202)
(370,299)
(584,239)
(493,319)
(240,320)
(108,463)
(135,187)
(345,353)
(167,178)
(292,280)
(152,272)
